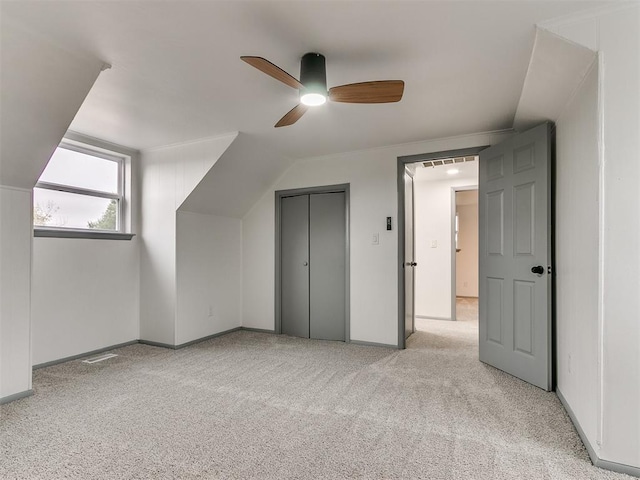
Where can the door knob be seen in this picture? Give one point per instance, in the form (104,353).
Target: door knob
(414,264)
(305,263)
(538,269)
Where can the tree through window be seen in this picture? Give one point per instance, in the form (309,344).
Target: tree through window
(80,189)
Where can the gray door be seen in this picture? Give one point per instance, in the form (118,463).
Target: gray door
(515,254)
(313,265)
(294,258)
(409,257)
(327,257)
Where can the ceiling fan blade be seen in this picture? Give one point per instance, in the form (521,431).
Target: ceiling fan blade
(272,70)
(383,91)
(293,115)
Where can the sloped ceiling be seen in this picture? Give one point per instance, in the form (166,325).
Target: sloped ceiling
(556,70)
(43,87)
(237,180)
(177,75)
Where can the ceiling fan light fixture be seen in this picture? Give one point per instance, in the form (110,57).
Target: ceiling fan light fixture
(312,99)
(313,75)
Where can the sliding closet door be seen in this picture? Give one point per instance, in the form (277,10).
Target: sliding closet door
(294,255)
(327,261)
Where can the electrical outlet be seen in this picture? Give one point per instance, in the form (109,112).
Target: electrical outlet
(569,363)
(375,240)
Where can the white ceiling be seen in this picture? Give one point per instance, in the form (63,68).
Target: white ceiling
(177,75)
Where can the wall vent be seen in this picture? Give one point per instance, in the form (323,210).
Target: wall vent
(448,161)
(100,358)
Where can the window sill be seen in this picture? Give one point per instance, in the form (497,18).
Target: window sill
(68,233)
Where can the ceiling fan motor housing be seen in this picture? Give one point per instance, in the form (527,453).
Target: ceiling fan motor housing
(313,73)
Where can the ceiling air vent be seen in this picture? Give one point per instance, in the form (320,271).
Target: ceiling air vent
(448,161)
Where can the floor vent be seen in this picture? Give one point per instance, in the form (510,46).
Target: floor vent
(100,358)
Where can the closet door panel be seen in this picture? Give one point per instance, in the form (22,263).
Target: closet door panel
(327,263)
(294,257)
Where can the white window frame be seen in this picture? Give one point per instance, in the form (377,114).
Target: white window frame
(76,232)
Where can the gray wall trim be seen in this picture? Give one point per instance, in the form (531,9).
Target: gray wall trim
(597,461)
(151,343)
(617,467)
(257,330)
(373,344)
(208,337)
(15,396)
(427,317)
(402,161)
(192,342)
(145,342)
(68,233)
(279,194)
(82,355)
(423,157)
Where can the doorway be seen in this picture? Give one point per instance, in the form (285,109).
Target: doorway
(464,251)
(446,240)
(407,166)
(515,253)
(312,262)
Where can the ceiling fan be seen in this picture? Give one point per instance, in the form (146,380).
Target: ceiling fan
(313,86)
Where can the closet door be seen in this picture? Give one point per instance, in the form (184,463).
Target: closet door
(294,255)
(327,263)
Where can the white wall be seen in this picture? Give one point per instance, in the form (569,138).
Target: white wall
(374,268)
(209,275)
(614,33)
(43,87)
(15,267)
(577,174)
(433,223)
(467,259)
(191,262)
(168,176)
(85,295)
(85,292)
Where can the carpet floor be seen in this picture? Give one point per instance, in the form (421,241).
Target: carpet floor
(258,406)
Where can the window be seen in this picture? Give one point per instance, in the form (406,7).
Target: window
(80,194)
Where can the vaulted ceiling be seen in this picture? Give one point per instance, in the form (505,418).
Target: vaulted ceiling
(176,73)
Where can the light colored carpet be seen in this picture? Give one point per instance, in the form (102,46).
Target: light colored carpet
(251,405)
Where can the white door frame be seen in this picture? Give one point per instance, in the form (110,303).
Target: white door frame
(402,161)
(464,188)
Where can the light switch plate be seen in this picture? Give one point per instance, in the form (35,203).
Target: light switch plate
(434,243)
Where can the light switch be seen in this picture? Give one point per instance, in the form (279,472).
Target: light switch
(434,243)
(375,240)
